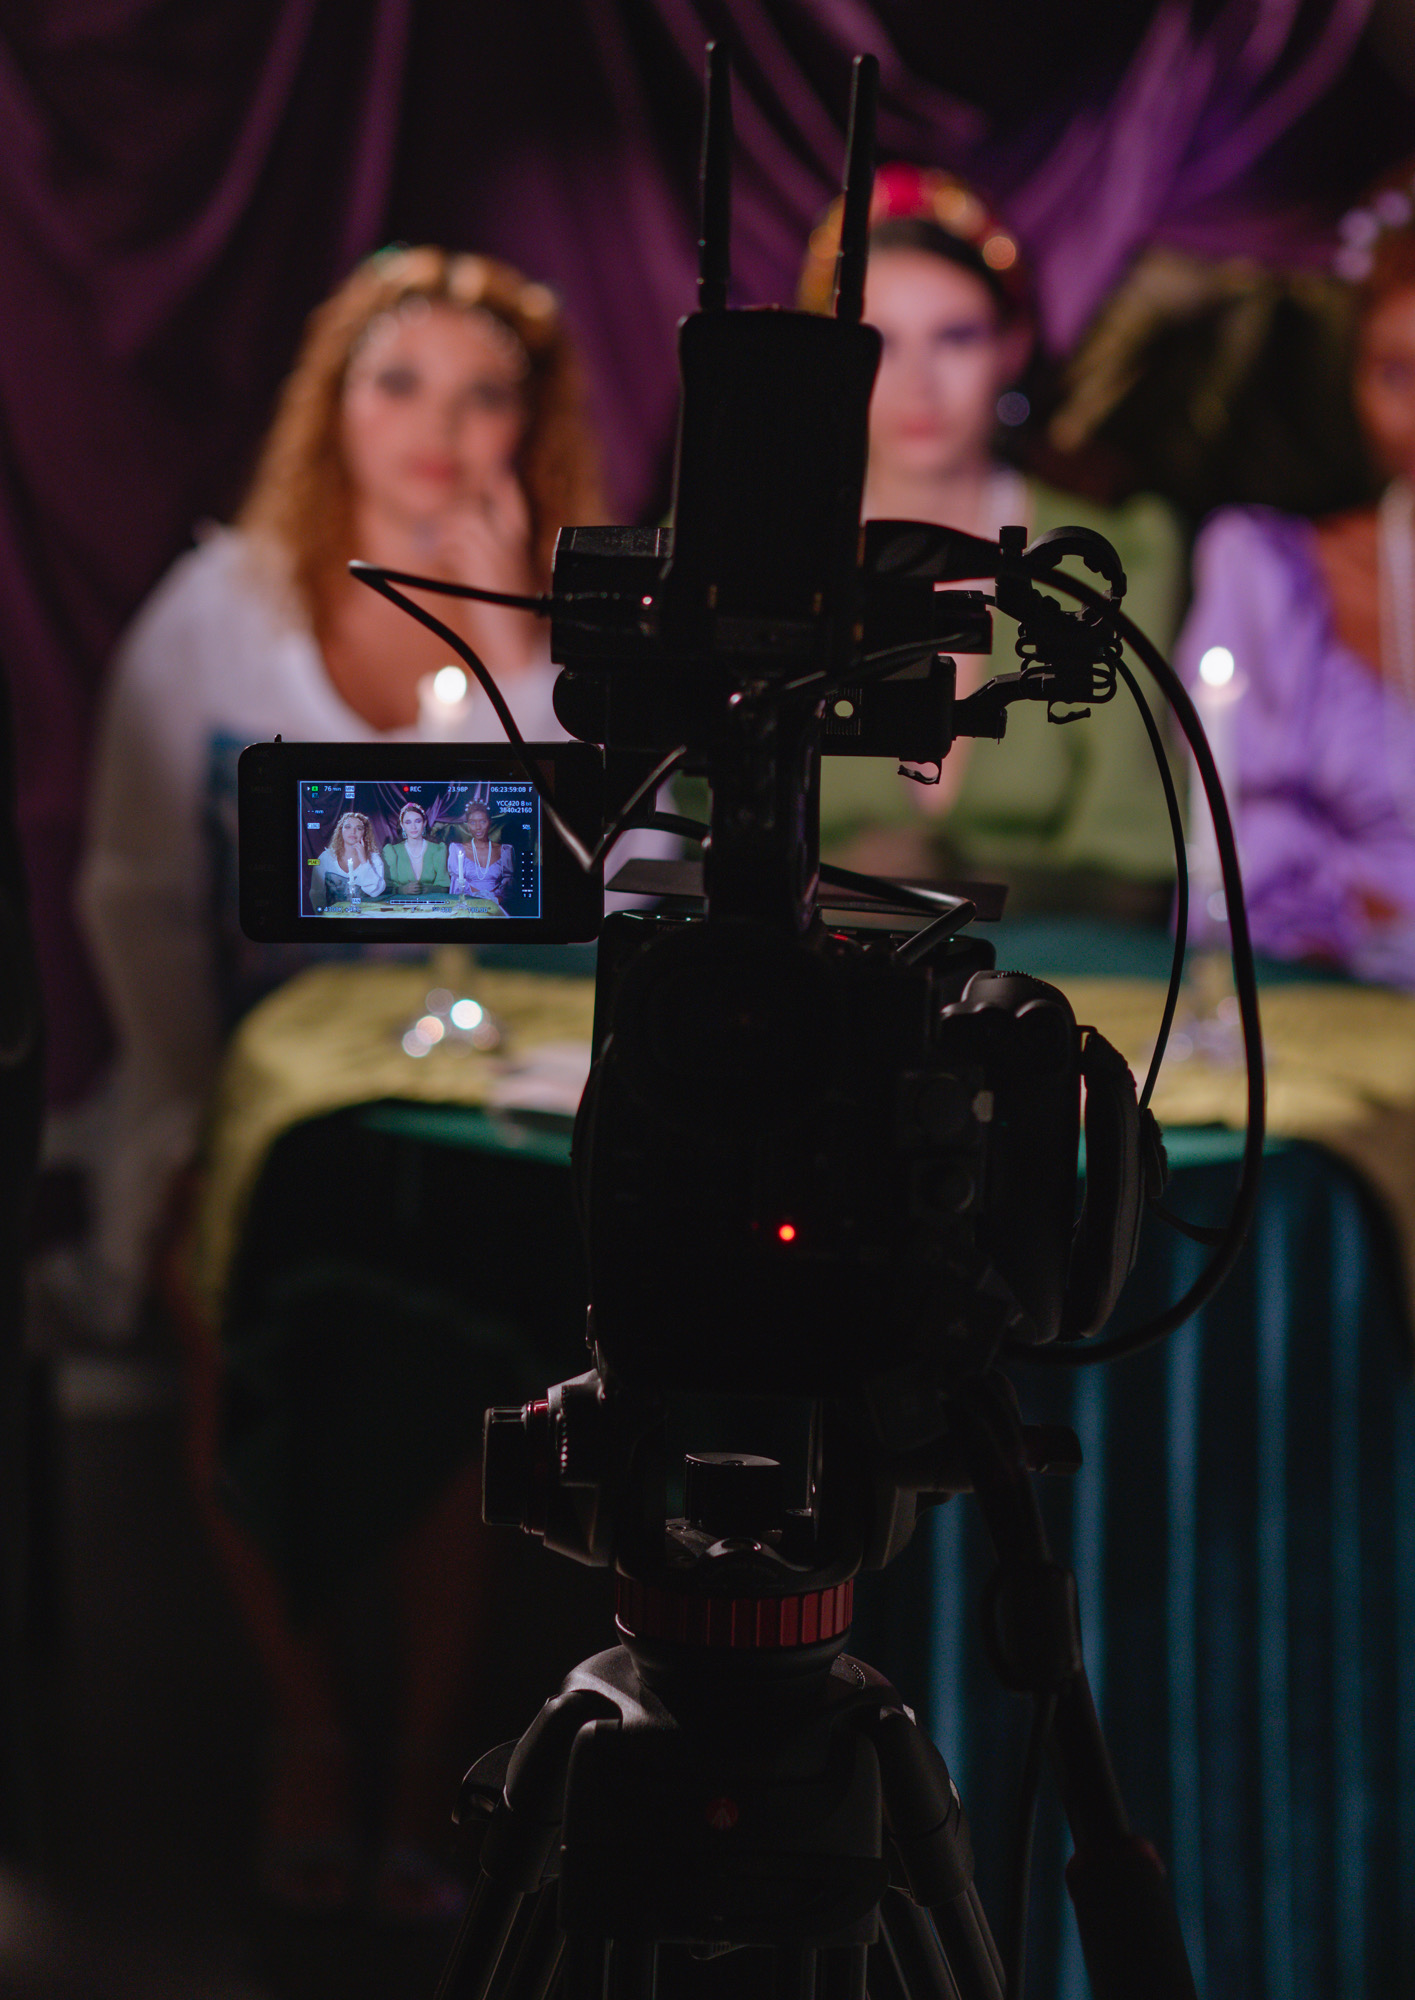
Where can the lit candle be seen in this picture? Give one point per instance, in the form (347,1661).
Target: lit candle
(443,703)
(1217,694)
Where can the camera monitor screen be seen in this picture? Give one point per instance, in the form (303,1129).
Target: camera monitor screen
(419,848)
(357,841)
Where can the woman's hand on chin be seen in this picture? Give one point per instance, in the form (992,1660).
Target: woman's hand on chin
(485,539)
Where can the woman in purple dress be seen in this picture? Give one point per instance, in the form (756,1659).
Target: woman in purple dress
(1313,624)
(478,865)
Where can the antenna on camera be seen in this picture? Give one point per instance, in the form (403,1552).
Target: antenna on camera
(714,259)
(859,185)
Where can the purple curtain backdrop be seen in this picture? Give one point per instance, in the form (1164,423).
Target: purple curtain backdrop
(180,184)
(177,187)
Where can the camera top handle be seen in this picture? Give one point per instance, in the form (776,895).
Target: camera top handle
(761,585)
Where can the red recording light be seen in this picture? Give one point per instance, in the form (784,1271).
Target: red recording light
(786,1233)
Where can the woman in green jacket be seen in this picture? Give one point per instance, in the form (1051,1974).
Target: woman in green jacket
(415,865)
(1069,816)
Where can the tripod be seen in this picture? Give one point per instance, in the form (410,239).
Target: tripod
(729,1785)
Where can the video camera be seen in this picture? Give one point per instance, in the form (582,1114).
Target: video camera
(826,1164)
(822,1154)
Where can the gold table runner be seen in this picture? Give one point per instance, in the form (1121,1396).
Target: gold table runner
(1341,1071)
(332,1037)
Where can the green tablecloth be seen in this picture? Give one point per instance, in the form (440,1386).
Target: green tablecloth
(1341,1061)
(333,1037)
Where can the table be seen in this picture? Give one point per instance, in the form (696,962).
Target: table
(1243,1531)
(400,908)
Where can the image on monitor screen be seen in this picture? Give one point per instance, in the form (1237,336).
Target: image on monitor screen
(430,848)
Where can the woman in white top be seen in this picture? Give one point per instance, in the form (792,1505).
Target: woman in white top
(432,423)
(351,864)
(479,865)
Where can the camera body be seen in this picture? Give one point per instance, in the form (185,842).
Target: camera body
(827,1172)
(808,1168)
(818,1163)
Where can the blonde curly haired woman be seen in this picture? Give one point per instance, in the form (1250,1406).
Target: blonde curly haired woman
(433,422)
(351,861)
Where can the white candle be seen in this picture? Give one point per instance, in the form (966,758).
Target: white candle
(443,704)
(1217,693)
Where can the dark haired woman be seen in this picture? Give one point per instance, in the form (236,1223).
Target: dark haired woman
(479,865)
(1314,626)
(1066,815)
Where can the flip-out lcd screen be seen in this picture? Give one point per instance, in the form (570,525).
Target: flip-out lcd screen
(364,842)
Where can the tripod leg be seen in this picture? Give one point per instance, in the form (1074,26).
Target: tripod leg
(633,1969)
(793,1972)
(540,1952)
(841,1972)
(908,1962)
(1125,1911)
(480,1943)
(585,1966)
(967,1941)
(931,1838)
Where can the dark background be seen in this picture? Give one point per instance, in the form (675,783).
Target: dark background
(181,180)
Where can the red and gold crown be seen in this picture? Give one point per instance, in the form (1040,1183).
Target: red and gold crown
(922,194)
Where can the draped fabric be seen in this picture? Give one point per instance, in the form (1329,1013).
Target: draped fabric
(1243,1536)
(179,185)
(177,188)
